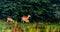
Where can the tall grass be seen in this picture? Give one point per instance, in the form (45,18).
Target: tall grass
(25,27)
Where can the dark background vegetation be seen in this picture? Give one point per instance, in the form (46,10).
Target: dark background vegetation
(40,10)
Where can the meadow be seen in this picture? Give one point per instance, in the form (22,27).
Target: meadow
(29,27)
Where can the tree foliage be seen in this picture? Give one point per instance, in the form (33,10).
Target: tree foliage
(40,10)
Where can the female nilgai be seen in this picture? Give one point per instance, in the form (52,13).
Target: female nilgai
(25,19)
(9,22)
(10,19)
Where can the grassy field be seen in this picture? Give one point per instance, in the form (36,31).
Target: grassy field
(31,27)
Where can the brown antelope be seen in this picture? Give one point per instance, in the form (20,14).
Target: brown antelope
(10,20)
(25,19)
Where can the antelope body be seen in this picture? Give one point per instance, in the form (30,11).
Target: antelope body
(25,18)
(10,20)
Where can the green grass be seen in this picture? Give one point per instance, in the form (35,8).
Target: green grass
(31,27)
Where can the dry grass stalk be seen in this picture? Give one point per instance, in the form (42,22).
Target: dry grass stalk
(47,28)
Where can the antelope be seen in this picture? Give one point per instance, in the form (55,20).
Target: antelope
(25,19)
(10,20)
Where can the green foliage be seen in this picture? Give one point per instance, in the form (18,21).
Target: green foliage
(38,9)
